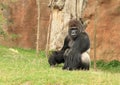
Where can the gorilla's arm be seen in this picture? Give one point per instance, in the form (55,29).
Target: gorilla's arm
(65,45)
(81,44)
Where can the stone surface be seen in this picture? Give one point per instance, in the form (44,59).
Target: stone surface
(21,16)
(108,28)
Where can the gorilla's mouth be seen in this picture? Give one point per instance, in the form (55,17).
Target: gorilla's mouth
(74,36)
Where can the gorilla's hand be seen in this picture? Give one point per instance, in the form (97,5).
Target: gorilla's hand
(67,51)
(72,52)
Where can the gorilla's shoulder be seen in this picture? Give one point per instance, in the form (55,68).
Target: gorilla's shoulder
(83,34)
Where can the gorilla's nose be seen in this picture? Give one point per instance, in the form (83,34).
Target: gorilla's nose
(73,33)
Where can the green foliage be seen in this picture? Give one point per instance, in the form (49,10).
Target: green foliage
(13,0)
(14,36)
(112,66)
(1,31)
(3,5)
(2,21)
(22,67)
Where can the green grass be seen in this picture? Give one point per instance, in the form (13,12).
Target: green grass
(112,66)
(22,67)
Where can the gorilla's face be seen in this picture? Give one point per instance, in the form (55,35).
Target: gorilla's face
(73,32)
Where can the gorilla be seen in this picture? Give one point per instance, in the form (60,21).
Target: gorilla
(85,59)
(74,51)
(56,58)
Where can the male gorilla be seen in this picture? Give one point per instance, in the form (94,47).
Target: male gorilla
(72,54)
(56,58)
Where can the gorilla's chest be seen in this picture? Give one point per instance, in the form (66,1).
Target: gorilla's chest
(71,43)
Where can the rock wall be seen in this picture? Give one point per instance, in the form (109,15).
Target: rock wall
(21,24)
(108,28)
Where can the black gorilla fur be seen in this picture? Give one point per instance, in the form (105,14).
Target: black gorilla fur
(76,42)
(78,46)
(56,58)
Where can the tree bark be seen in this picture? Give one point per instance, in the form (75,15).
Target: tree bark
(95,32)
(60,19)
(38,28)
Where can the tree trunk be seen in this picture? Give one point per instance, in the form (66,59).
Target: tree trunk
(62,12)
(95,30)
(38,27)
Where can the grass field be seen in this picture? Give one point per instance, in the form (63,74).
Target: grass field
(22,67)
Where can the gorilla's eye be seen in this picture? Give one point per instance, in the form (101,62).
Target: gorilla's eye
(74,32)
(73,28)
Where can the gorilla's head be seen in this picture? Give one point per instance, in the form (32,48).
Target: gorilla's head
(75,28)
(78,23)
(73,32)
